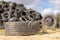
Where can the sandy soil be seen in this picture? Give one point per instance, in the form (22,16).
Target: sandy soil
(54,35)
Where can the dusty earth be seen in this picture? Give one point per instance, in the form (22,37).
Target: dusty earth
(51,35)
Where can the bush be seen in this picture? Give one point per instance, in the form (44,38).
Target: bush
(58,17)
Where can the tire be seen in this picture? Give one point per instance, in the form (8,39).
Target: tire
(24,18)
(1,10)
(49,18)
(21,28)
(13,19)
(5,16)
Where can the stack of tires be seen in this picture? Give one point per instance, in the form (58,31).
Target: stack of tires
(18,20)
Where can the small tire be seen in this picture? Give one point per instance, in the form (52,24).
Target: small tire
(5,16)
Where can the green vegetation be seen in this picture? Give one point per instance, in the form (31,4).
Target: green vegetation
(58,17)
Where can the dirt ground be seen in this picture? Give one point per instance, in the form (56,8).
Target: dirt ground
(51,35)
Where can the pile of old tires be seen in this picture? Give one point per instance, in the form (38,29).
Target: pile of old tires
(18,20)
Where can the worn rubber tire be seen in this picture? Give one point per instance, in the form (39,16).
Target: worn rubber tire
(5,16)
(13,19)
(52,17)
(22,28)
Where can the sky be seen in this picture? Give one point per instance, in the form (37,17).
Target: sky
(42,6)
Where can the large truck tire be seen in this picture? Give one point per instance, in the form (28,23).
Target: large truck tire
(22,28)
